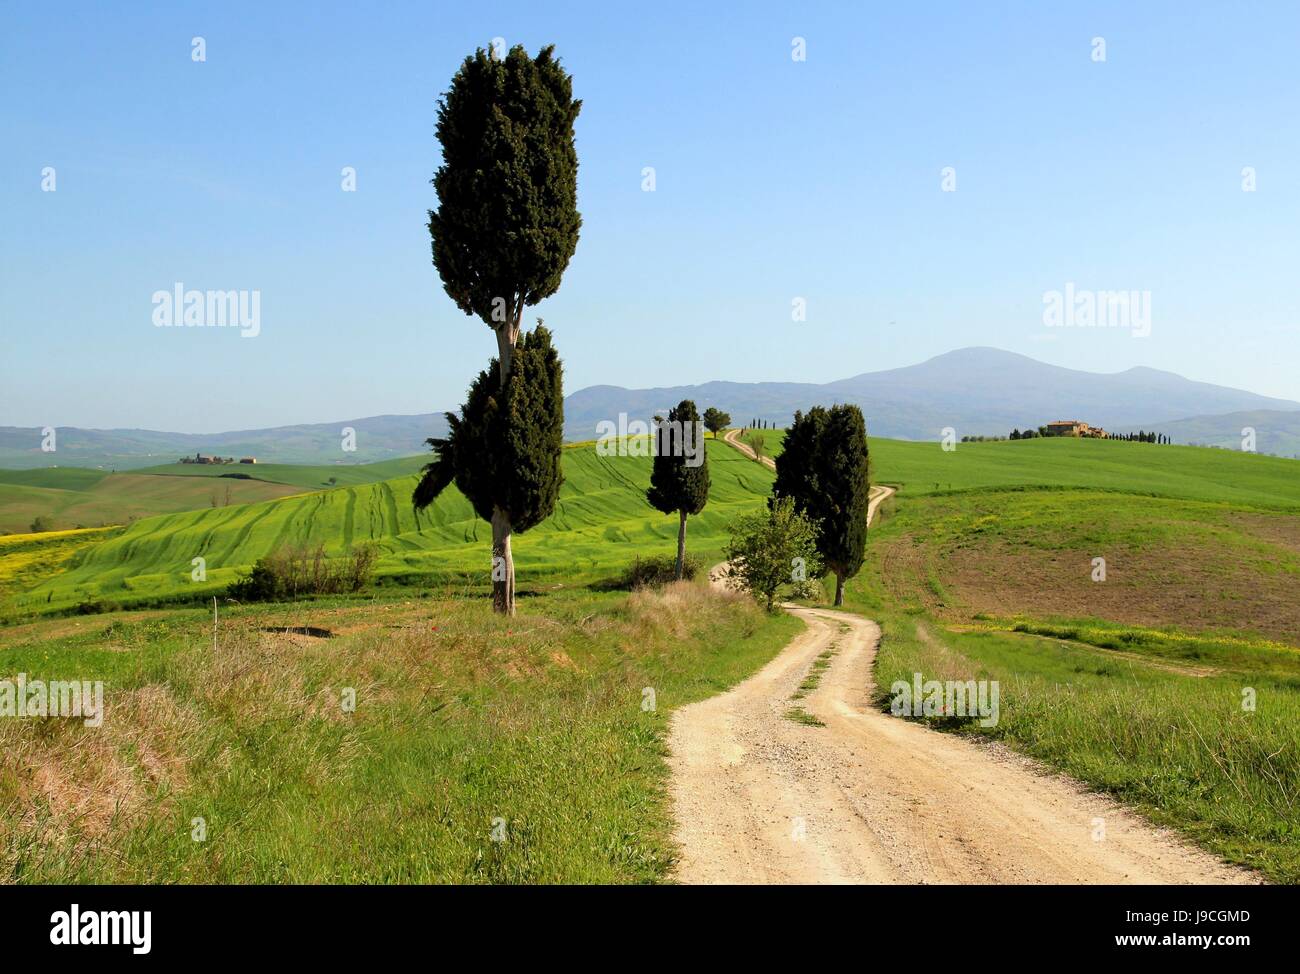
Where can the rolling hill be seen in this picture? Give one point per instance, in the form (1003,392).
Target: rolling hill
(70,497)
(120,497)
(602,520)
(601,523)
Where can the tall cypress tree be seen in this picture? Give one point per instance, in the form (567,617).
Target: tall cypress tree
(824,469)
(680,479)
(506,226)
(503,450)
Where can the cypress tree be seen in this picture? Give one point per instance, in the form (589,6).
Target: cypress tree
(823,468)
(506,226)
(675,484)
(503,450)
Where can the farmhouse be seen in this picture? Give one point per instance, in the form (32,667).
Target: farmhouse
(1075,427)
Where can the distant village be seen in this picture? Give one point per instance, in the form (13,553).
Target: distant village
(206,458)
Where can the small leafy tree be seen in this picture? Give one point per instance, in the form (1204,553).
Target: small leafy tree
(715,420)
(679,481)
(772,548)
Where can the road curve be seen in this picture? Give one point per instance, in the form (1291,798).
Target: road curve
(871,798)
(875,495)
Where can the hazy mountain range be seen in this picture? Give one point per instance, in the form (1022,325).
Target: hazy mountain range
(974,390)
(377,438)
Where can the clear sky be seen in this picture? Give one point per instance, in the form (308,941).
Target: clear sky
(776,179)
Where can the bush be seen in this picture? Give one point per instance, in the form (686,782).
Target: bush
(292,573)
(771,549)
(95,607)
(42,524)
(657,570)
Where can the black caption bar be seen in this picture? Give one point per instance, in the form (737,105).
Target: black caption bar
(147,924)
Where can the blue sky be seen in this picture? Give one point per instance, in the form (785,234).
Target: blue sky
(775,180)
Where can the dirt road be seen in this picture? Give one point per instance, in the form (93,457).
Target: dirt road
(869,798)
(874,496)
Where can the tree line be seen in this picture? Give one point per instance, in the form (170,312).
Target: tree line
(1142,436)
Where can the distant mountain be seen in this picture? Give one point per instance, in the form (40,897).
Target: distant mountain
(974,390)
(377,438)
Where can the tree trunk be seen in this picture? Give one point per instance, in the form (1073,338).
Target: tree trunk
(839,588)
(681,544)
(503,565)
(506,336)
(503,562)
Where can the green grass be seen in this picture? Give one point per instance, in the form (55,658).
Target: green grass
(78,497)
(773,440)
(1145,469)
(978,569)
(463,719)
(117,498)
(60,478)
(26,559)
(600,524)
(814,678)
(801,716)
(981,570)
(1178,747)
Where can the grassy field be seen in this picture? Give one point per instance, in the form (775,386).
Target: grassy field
(314,476)
(74,497)
(601,523)
(481,749)
(27,559)
(60,478)
(1143,469)
(982,568)
(118,498)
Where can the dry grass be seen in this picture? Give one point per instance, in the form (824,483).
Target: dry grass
(66,787)
(460,714)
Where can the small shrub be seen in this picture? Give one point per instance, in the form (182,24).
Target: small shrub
(293,573)
(657,570)
(95,607)
(772,549)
